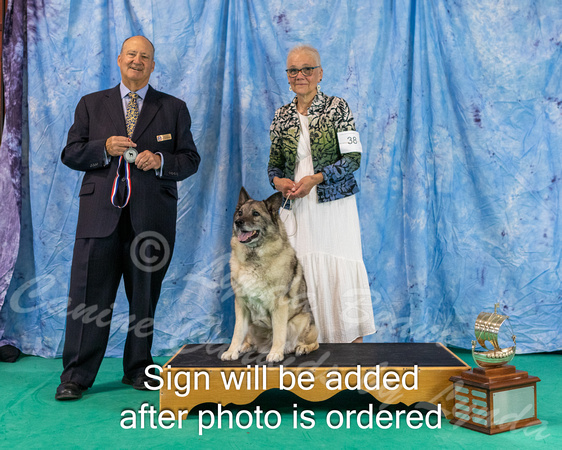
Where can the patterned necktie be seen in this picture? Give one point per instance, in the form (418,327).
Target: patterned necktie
(132,113)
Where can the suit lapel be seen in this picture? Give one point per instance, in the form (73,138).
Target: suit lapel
(114,105)
(150,107)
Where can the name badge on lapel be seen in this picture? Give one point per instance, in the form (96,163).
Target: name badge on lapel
(163,137)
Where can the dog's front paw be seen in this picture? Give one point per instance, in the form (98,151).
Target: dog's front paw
(274,356)
(246,347)
(304,349)
(230,355)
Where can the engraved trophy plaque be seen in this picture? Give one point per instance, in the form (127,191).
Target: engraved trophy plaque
(494,397)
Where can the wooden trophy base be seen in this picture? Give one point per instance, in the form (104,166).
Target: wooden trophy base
(494,400)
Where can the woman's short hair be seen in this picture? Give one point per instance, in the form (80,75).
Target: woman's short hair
(308,49)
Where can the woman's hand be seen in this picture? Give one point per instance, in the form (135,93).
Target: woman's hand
(305,185)
(285,186)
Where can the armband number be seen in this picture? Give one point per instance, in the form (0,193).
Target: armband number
(349,142)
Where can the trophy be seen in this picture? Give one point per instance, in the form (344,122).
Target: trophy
(494,397)
(487,328)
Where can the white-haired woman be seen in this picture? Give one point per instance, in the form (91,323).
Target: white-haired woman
(314,152)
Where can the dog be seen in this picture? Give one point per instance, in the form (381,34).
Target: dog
(271,304)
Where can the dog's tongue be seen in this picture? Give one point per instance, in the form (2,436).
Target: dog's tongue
(244,236)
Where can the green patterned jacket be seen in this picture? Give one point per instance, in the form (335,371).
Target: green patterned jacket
(326,117)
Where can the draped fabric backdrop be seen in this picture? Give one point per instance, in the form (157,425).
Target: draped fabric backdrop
(459,108)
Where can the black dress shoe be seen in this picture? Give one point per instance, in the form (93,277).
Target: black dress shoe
(69,391)
(139,382)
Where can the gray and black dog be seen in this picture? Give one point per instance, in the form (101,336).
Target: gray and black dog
(271,305)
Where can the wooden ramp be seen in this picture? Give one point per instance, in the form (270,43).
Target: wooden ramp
(392,373)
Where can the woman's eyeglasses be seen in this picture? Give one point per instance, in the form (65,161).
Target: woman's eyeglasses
(306,71)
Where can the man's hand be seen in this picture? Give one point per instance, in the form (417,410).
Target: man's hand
(116,145)
(148,160)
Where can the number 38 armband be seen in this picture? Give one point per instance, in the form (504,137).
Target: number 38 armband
(349,142)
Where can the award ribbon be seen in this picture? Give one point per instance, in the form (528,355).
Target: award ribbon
(131,116)
(127,180)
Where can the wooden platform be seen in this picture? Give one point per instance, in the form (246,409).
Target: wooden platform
(196,375)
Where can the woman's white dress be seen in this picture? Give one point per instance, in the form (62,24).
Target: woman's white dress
(327,239)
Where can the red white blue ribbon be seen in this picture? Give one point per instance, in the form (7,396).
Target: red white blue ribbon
(116,184)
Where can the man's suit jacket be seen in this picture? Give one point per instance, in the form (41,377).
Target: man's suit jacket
(163,126)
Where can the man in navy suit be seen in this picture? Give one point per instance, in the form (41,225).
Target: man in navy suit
(133,143)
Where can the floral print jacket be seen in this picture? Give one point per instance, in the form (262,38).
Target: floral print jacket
(326,117)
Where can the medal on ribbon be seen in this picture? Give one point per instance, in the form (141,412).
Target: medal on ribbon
(131,155)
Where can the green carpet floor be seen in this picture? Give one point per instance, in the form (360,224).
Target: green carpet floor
(30,417)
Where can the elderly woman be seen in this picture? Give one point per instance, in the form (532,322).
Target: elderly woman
(314,152)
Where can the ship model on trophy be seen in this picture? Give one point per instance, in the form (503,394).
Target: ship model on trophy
(487,328)
(494,397)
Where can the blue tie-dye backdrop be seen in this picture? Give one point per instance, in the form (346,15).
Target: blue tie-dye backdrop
(459,107)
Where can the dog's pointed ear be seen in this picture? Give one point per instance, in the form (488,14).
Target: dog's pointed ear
(243,197)
(273,203)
